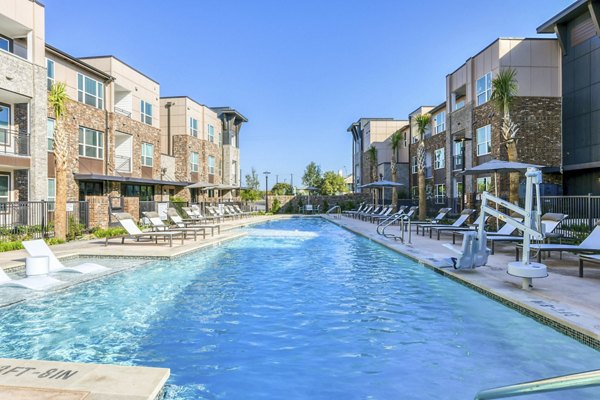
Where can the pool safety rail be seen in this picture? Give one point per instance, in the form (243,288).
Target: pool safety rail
(336,211)
(555,384)
(404,222)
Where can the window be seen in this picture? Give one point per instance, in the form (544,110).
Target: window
(484,184)
(234,172)
(194,162)
(144,192)
(211,133)
(439,123)
(146,112)
(458,189)
(147,154)
(90,91)
(415,192)
(193,127)
(458,149)
(50,66)
(459,104)
(440,158)
(5,44)
(484,88)
(50,134)
(414,165)
(484,140)
(51,193)
(440,193)
(4,188)
(211,165)
(90,143)
(4,123)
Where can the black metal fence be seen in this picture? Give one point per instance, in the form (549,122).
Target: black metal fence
(35,219)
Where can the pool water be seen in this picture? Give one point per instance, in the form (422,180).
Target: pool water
(307,311)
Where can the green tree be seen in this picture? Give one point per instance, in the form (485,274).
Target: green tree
(395,141)
(332,184)
(422,121)
(312,175)
(504,90)
(252,192)
(282,188)
(57,102)
(372,159)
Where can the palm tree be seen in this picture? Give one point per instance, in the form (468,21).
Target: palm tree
(504,90)
(422,121)
(395,141)
(372,158)
(57,102)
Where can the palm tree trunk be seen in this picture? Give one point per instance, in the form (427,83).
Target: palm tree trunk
(422,196)
(394,172)
(60,167)
(514,176)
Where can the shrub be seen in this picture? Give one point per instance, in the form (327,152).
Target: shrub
(109,232)
(276,206)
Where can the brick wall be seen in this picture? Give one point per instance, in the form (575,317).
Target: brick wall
(539,135)
(98,211)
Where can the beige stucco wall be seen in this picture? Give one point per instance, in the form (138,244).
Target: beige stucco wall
(140,86)
(377,134)
(20,18)
(537,62)
(66,72)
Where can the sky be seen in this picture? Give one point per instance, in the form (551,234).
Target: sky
(301,71)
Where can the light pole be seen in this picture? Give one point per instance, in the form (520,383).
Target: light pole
(462,140)
(267,173)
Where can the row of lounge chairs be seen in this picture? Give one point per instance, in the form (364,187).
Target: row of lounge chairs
(587,249)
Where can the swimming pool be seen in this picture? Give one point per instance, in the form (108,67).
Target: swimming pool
(317,312)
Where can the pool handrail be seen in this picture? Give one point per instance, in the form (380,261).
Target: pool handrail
(554,384)
(337,208)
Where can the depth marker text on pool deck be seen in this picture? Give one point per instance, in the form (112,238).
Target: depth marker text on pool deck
(52,373)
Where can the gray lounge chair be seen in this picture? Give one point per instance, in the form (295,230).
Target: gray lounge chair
(591,244)
(593,258)
(442,212)
(460,221)
(550,221)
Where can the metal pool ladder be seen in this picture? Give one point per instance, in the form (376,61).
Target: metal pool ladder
(391,220)
(555,384)
(338,211)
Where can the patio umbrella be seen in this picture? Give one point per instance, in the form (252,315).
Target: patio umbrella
(497,166)
(382,184)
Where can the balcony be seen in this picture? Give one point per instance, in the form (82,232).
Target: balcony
(123,112)
(122,164)
(14,143)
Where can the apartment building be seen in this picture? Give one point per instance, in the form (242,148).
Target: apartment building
(578,31)
(231,123)
(23,102)
(435,142)
(473,122)
(377,132)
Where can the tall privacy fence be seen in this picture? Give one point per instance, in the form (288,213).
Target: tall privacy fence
(35,219)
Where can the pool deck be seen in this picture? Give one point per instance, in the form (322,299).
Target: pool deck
(562,300)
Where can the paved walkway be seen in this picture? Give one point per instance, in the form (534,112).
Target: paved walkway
(562,300)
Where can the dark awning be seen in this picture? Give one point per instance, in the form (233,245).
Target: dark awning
(127,179)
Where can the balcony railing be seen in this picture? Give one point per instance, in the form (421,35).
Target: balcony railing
(122,163)
(123,112)
(14,143)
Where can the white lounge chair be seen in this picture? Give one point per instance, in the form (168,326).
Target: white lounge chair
(134,232)
(39,282)
(160,226)
(39,248)
(181,223)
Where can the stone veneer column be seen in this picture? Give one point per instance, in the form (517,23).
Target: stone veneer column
(38,117)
